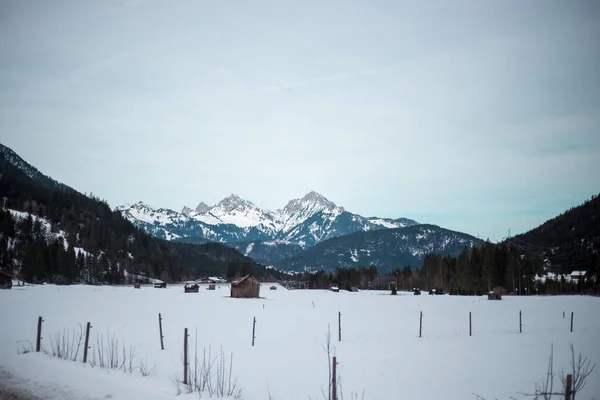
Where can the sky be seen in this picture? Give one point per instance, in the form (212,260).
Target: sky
(478,116)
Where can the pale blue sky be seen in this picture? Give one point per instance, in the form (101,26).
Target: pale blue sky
(478,116)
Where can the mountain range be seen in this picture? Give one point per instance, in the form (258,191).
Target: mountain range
(308,234)
(304,222)
(387,249)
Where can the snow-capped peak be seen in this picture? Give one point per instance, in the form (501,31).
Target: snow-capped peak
(317,198)
(202,208)
(141,211)
(232,202)
(243,213)
(299,210)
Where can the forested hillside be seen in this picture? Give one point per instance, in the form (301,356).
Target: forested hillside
(570,241)
(54,233)
(566,243)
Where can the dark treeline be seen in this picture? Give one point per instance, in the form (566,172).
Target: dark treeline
(474,272)
(483,269)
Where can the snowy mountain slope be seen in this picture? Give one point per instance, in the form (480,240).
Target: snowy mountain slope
(305,221)
(242,213)
(298,211)
(268,252)
(386,249)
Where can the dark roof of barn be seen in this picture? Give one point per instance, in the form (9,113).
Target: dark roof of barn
(244,279)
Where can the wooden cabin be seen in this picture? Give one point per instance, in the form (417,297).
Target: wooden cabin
(246,287)
(497,293)
(494,296)
(191,287)
(6,278)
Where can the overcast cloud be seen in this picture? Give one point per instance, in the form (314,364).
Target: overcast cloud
(478,116)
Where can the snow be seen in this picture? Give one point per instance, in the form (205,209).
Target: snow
(384,223)
(380,353)
(85,253)
(45,225)
(149,215)
(298,211)
(249,248)
(276,242)
(242,213)
(354,255)
(142,278)
(170,236)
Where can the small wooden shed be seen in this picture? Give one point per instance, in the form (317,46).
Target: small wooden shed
(191,287)
(6,277)
(497,293)
(246,287)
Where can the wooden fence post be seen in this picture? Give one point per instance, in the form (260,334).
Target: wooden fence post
(334,380)
(253,330)
(470,325)
(420,323)
(520,322)
(569,387)
(571,321)
(38,341)
(87,342)
(162,344)
(185,356)
(339,326)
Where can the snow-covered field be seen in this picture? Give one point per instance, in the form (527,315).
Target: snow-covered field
(380,354)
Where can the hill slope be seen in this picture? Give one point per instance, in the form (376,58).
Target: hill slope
(386,249)
(570,241)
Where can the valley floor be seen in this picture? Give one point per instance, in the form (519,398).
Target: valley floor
(380,354)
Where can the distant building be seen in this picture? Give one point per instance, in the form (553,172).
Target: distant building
(577,275)
(246,287)
(191,287)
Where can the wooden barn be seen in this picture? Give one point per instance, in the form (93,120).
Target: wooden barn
(191,287)
(246,287)
(5,279)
